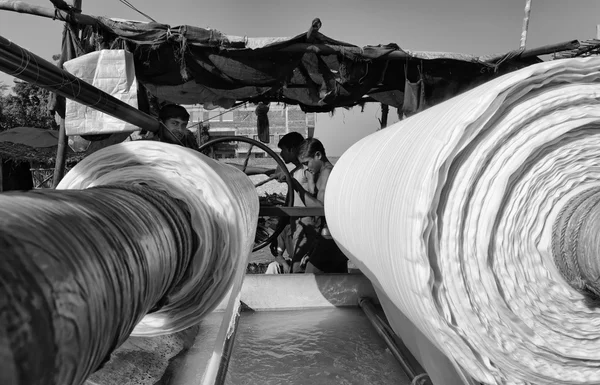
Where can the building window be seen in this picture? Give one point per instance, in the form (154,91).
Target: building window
(213,116)
(220,115)
(227,116)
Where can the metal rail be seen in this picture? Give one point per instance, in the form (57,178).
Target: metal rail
(228,346)
(388,336)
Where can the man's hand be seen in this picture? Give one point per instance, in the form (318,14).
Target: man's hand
(281,177)
(286,267)
(304,261)
(271,171)
(284,264)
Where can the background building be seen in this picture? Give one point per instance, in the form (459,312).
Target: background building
(242,122)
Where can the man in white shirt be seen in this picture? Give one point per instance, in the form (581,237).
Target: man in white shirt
(292,239)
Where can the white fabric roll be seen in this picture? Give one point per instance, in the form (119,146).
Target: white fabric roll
(224,208)
(450,213)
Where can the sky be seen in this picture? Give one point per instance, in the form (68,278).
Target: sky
(477,27)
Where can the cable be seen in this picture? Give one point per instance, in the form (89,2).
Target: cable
(127,3)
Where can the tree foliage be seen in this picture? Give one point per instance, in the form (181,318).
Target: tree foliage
(26,106)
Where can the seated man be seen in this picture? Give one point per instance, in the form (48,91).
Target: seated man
(325,256)
(291,240)
(176,118)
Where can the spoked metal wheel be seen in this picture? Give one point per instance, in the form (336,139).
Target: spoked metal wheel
(269,228)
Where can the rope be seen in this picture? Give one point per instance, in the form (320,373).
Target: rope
(507,57)
(235,107)
(245,165)
(127,3)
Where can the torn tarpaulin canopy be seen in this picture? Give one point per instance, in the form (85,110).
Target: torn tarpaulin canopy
(186,64)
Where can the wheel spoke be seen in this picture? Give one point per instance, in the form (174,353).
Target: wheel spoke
(289,200)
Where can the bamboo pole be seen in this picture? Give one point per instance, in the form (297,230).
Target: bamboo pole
(48,76)
(525,23)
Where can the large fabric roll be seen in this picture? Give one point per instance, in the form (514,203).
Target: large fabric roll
(450,214)
(223,204)
(141,238)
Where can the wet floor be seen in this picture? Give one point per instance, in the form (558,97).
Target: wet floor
(331,346)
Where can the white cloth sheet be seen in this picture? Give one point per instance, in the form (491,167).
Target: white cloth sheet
(450,213)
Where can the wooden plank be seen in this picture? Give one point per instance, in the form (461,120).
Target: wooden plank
(50,13)
(271,211)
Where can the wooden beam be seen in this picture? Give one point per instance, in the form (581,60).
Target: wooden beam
(270,211)
(323,49)
(551,48)
(50,13)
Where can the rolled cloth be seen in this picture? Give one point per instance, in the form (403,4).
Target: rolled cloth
(145,237)
(223,204)
(450,214)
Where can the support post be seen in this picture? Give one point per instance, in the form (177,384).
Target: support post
(385,109)
(63,140)
(61,150)
(287,125)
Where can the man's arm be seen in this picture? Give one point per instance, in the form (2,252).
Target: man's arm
(322,185)
(191,142)
(271,172)
(249,170)
(310,200)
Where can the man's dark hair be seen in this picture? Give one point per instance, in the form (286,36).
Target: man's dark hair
(170,111)
(291,140)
